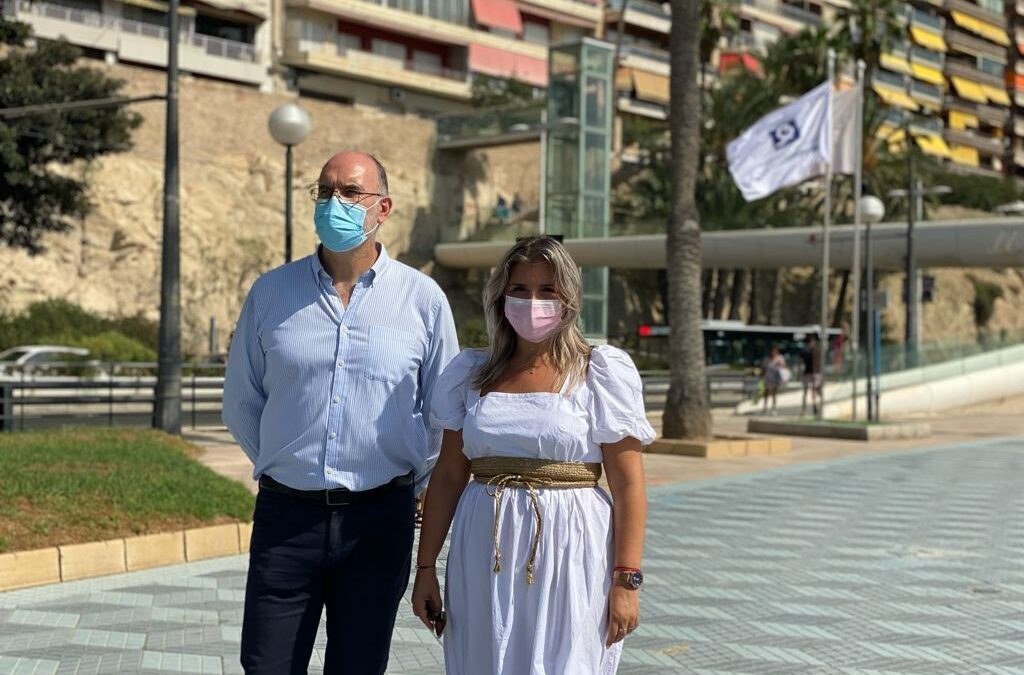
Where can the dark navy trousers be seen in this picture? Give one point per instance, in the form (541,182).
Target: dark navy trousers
(304,555)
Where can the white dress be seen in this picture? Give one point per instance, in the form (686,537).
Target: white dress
(556,626)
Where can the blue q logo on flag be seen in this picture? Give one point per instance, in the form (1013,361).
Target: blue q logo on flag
(785,134)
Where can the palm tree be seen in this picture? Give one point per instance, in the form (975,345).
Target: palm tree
(687,410)
(869,28)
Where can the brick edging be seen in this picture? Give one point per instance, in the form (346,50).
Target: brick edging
(71,562)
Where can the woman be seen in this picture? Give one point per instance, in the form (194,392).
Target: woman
(773,369)
(542,574)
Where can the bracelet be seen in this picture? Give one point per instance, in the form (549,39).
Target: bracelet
(626,569)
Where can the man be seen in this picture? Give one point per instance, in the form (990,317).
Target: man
(328,387)
(811,358)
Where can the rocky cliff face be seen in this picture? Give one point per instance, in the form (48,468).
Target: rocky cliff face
(232,196)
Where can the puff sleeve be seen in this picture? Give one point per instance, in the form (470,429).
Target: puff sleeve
(617,403)
(448,404)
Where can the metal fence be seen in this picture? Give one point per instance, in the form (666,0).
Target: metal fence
(69,394)
(58,395)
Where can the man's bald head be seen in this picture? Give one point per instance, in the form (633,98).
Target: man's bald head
(361,166)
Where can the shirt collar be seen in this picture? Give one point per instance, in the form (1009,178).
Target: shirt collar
(377,269)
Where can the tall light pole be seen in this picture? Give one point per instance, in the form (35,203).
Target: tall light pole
(167,396)
(914,194)
(871,210)
(289,125)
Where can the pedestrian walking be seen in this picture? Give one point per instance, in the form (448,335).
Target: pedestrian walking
(774,373)
(543,572)
(331,371)
(810,357)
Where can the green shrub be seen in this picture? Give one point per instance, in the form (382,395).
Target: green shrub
(473,334)
(107,346)
(985,295)
(978,192)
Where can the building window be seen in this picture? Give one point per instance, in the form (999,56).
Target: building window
(348,41)
(537,33)
(144,15)
(991,67)
(393,50)
(992,5)
(227,30)
(426,62)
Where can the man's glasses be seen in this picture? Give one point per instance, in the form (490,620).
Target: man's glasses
(321,193)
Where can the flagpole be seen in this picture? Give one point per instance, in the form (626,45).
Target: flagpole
(857,194)
(826,221)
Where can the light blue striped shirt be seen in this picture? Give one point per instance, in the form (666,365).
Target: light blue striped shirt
(320,395)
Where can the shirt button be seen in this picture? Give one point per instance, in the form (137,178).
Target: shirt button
(331,435)
(337,399)
(340,363)
(344,329)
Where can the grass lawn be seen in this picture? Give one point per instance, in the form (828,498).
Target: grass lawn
(73,486)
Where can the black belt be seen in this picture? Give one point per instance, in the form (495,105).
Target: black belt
(337,496)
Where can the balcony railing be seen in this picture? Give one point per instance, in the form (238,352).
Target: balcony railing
(495,122)
(381,61)
(660,55)
(644,7)
(213,46)
(799,14)
(926,56)
(986,144)
(927,20)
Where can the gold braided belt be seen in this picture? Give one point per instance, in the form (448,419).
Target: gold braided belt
(498,473)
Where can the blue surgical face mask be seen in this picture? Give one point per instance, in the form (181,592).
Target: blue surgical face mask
(340,224)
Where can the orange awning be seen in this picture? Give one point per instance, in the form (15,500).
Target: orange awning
(729,60)
(500,63)
(502,14)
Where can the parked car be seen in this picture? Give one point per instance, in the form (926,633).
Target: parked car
(35,358)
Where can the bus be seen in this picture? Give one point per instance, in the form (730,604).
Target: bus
(738,345)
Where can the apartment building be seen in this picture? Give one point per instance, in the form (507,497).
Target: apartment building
(1015,83)
(222,39)
(421,55)
(948,81)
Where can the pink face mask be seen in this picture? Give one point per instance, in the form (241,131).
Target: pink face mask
(533,320)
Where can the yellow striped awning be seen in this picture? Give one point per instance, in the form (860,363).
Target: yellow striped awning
(996,95)
(962,120)
(650,86)
(965,155)
(927,39)
(932,144)
(928,74)
(894,97)
(972,91)
(985,29)
(895,62)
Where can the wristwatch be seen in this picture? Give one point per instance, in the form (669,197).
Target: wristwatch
(631,579)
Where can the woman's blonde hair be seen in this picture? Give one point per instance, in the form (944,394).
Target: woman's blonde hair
(569,350)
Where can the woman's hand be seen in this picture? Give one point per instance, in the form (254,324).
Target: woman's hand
(426,597)
(623,612)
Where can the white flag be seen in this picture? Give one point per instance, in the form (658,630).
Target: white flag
(844,132)
(785,147)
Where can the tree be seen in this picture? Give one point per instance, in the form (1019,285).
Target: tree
(36,195)
(687,410)
(869,28)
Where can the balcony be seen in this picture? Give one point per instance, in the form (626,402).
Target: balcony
(384,70)
(419,26)
(926,20)
(645,58)
(978,12)
(140,42)
(958,41)
(1018,126)
(960,69)
(770,12)
(633,106)
(991,115)
(643,13)
(796,13)
(987,145)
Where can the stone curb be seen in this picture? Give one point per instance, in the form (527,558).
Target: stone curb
(874,432)
(71,562)
(735,445)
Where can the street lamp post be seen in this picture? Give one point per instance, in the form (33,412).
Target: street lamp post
(167,394)
(915,194)
(871,211)
(289,125)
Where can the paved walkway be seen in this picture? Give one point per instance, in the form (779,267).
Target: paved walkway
(906,562)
